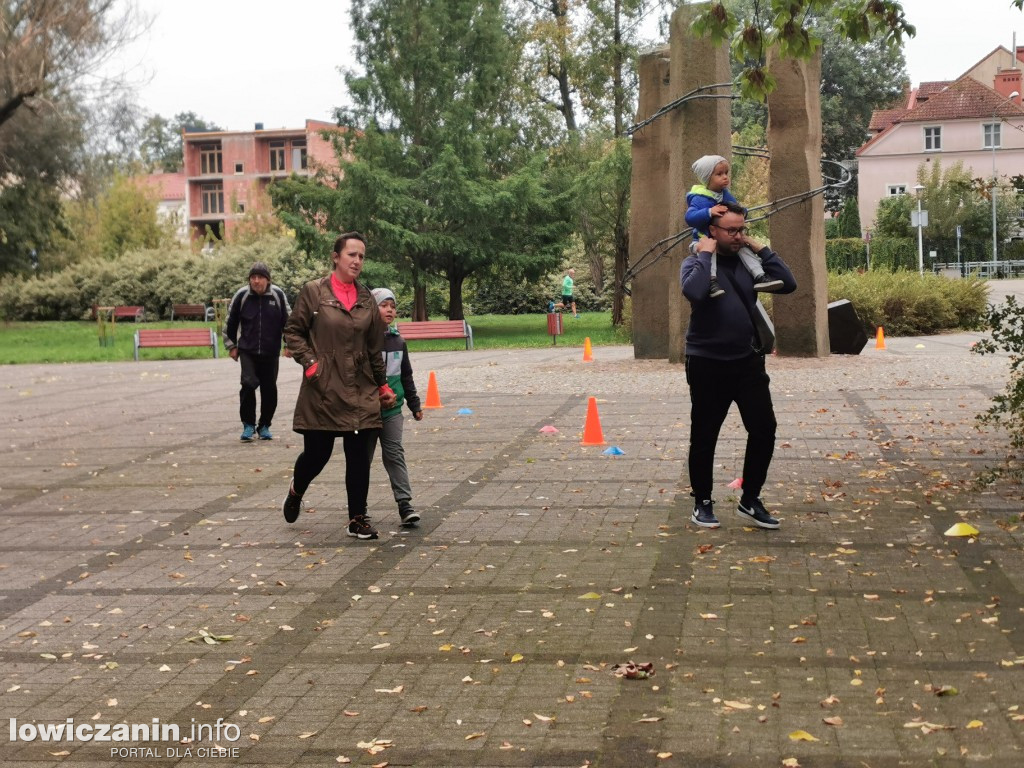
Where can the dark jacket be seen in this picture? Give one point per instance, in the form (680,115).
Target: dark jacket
(343,395)
(722,328)
(255,323)
(399,372)
(699,202)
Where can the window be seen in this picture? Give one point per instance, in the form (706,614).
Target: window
(277,155)
(933,138)
(896,189)
(992,136)
(213,197)
(241,207)
(239,168)
(210,159)
(298,153)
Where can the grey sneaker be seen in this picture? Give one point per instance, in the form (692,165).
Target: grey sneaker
(704,514)
(764,285)
(409,516)
(716,290)
(755,512)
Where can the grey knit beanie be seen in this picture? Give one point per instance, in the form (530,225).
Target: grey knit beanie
(383,294)
(706,165)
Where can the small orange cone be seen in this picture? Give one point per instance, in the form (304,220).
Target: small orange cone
(433,398)
(588,355)
(592,434)
(880,339)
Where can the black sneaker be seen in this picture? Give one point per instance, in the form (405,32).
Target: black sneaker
(704,514)
(359,527)
(764,285)
(755,512)
(409,516)
(716,290)
(291,507)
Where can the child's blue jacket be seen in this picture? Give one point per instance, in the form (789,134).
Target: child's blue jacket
(699,202)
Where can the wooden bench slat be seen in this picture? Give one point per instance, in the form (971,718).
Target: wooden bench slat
(184,337)
(437,329)
(134,312)
(188,310)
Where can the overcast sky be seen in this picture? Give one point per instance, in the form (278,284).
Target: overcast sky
(239,62)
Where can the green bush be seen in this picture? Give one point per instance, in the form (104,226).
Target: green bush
(908,304)
(845,254)
(507,298)
(1006,322)
(153,279)
(892,253)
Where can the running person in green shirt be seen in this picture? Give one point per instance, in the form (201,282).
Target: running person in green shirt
(567,297)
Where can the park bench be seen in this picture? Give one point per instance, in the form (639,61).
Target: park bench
(177,337)
(437,329)
(190,311)
(138,314)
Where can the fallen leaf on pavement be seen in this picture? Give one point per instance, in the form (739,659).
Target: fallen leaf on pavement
(801,736)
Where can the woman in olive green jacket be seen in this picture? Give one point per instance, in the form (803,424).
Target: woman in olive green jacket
(335,333)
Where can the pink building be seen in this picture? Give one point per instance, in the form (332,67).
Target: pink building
(976,119)
(227,172)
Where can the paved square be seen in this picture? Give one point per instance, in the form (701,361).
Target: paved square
(146,572)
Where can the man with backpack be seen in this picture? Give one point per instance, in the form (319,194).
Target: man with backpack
(253,336)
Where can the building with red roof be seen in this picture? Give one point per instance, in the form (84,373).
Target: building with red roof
(977,119)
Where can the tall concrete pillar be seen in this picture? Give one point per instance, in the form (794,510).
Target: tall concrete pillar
(798,232)
(650,207)
(699,127)
(662,155)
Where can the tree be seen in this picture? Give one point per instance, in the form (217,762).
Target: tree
(442,176)
(892,218)
(580,56)
(48,51)
(856,79)
(849,219)
(50,46)
(121,219)
(161,140)
(788,25)
(39,153)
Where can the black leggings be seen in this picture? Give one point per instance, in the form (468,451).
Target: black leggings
(316,452)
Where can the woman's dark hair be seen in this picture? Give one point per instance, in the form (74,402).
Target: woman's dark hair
(731,208)
(344,237)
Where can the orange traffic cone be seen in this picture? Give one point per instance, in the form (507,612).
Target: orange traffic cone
(880,339)
(592,434)
(433,398)
(588,356)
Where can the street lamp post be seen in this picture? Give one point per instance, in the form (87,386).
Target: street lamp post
(920,224)
(995,178)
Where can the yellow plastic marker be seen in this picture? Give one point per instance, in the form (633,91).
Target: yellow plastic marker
(962,529)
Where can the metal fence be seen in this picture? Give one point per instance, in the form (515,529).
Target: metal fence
(983,269)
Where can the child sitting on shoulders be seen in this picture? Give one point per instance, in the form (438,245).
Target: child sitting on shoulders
(706,200)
